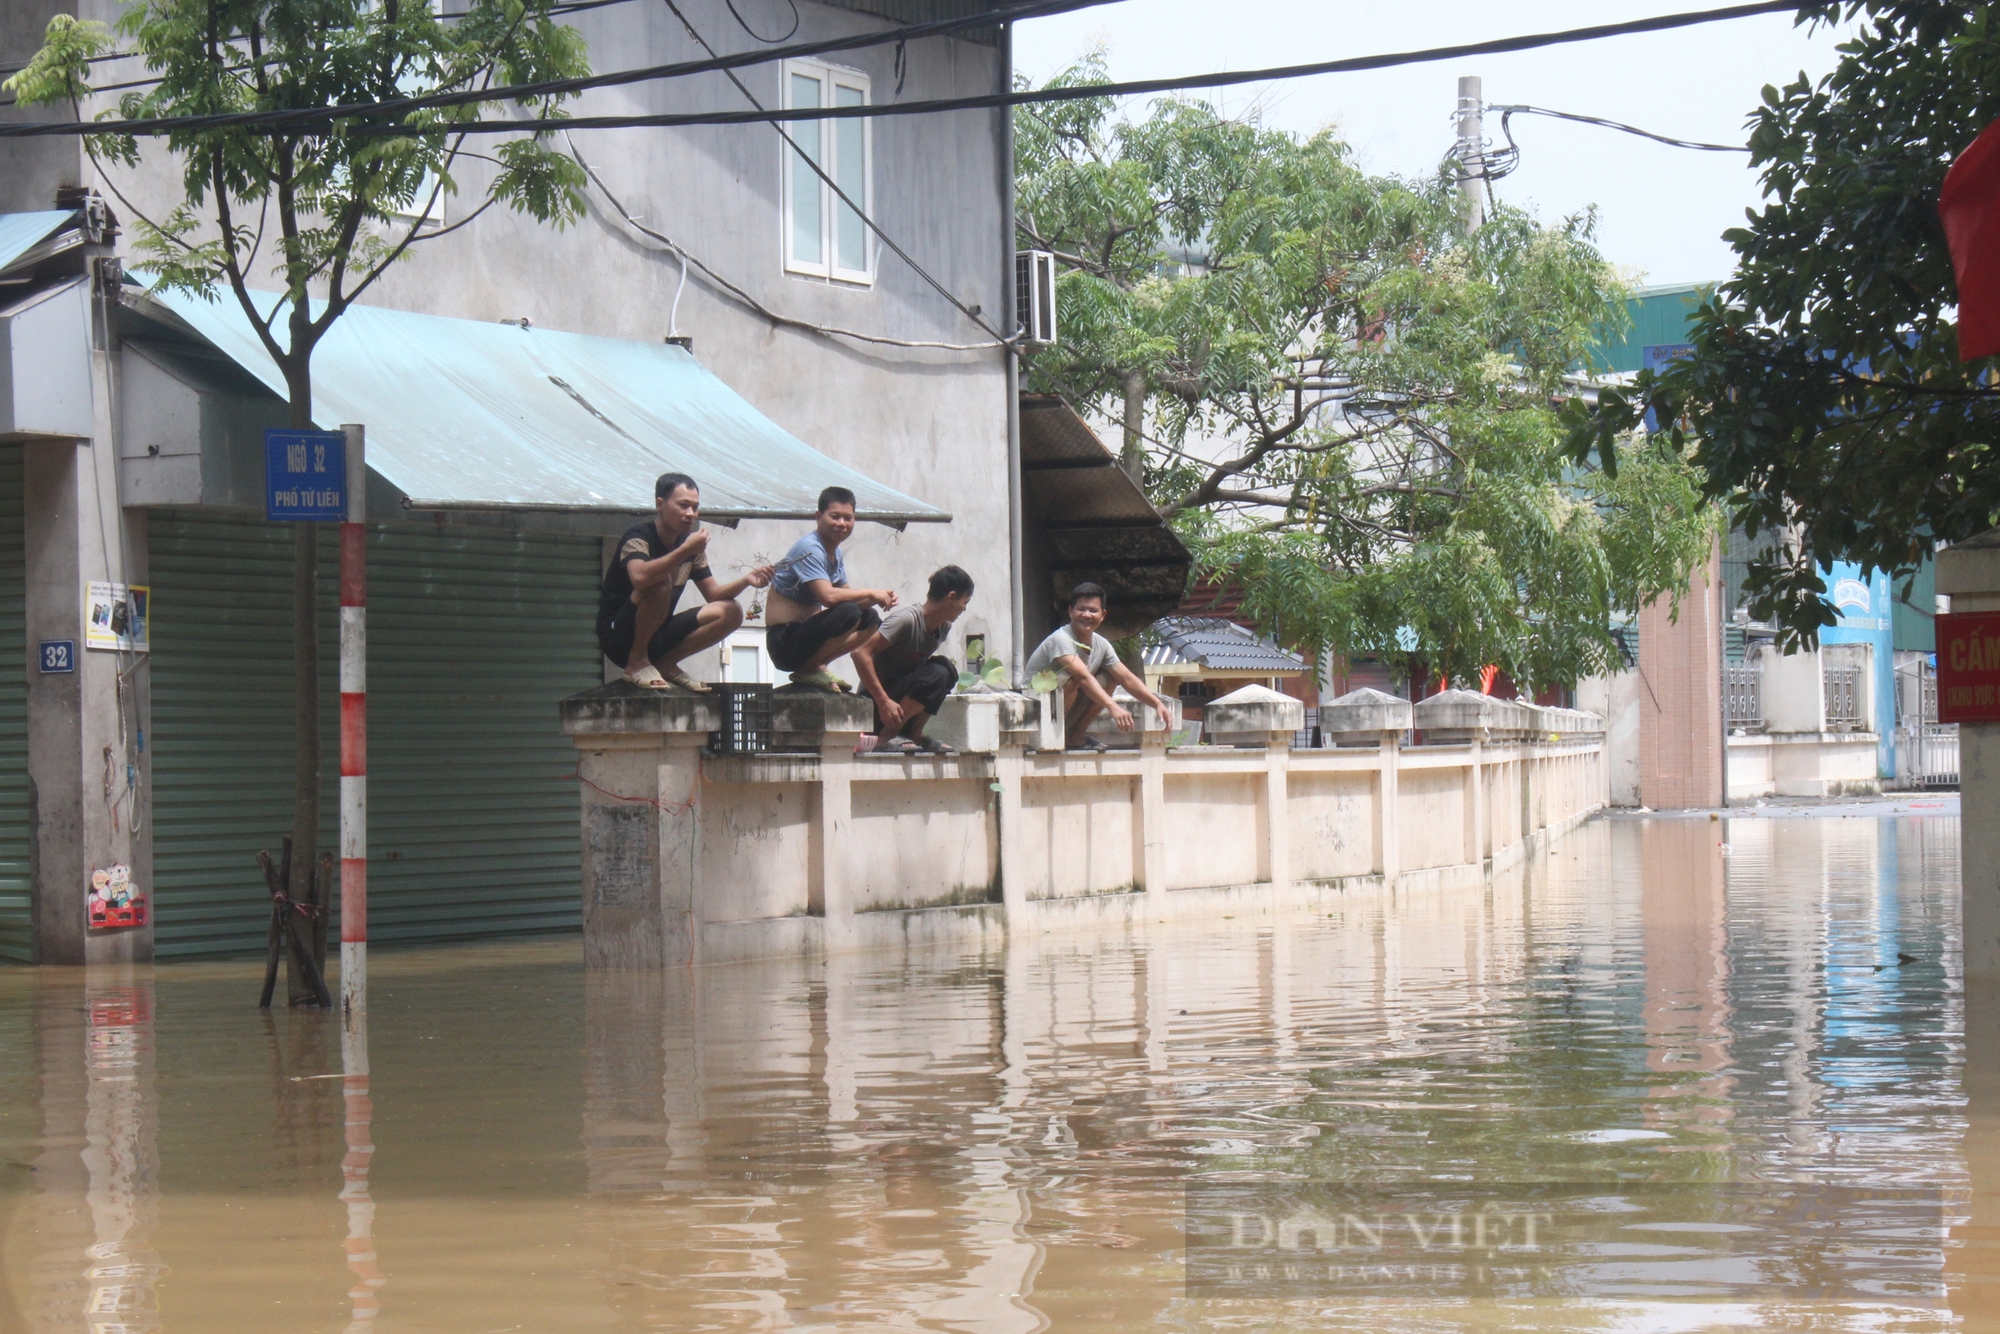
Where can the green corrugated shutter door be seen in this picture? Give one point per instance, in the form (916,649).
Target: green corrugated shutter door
(17,924)
(473,819)
(222,727)
(472,640)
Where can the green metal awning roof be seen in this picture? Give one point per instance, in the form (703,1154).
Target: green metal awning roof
(21,233)
(465,415)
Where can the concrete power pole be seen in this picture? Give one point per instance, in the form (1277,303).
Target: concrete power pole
(1471,151)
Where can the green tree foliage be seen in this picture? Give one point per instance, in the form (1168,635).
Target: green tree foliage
(1824,396)
(1342,399)
(334,208)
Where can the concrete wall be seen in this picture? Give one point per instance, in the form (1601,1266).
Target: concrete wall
(1616,700)
(1794,692)
(88,772)
(1680,705)
(32,170)
(1802,764)
(691,857)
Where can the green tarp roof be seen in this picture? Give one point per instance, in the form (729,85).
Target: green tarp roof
(22,232)
(463,414)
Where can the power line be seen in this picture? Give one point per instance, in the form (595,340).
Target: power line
(1506,111)
(293,119)
(748,301)
(1499,46)
(571,7)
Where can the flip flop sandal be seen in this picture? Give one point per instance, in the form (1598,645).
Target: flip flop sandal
(897,746)
(932,746)
(648,677)
(1090,745)
(675,676)
(821,681)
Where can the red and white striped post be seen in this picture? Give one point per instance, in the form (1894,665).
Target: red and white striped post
(354,734)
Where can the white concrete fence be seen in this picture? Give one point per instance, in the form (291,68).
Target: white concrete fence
(693,857)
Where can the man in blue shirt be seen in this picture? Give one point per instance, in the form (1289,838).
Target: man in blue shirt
(814,617)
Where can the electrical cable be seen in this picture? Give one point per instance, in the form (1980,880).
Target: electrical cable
(841,194)
(744,298)
(877,110)
(1507,111)
(295,118)
(14,67)
(768,41)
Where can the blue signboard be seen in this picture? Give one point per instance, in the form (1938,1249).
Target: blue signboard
(305,476)
(58,655)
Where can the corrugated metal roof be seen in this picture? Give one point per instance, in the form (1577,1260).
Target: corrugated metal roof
(465,415)
(1090,521)
(22,232)
(1217,646)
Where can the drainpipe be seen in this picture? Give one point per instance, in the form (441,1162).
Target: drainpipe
(1017,652)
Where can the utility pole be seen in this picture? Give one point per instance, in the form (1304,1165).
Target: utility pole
(1471,151)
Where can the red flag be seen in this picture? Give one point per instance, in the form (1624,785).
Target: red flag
(1969,207)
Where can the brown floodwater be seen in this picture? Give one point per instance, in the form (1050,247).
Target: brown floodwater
(1678,1074)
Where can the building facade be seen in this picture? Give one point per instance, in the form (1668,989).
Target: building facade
(131,429)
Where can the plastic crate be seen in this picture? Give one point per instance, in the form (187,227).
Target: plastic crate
(746,718)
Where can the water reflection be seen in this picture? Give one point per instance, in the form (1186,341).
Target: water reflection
(95,1206)
(1723,1058)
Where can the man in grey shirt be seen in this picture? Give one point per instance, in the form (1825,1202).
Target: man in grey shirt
(1090,669)
(901,669)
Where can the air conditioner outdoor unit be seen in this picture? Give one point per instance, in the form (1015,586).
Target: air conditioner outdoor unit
(1035,295)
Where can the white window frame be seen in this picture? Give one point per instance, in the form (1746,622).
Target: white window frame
(830,77)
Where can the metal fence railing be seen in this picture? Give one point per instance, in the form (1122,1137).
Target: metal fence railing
(1308,736)
(1930,747)
(1743,696)
(1843,698)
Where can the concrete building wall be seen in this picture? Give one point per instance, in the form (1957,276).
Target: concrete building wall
(32,170)
(1680,702)
(88,771)
(931,422)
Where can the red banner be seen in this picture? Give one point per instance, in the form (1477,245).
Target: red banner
(1968,662)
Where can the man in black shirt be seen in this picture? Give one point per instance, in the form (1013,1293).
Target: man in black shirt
(637,626)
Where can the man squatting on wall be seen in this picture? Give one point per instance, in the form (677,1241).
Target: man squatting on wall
(814,616)
(637,626)
(902,671)
(1089,668)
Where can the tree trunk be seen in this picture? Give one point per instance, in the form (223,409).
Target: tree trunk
(1133,457)
(305,689)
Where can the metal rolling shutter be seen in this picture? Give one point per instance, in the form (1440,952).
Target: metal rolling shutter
(472,639)
(17,925)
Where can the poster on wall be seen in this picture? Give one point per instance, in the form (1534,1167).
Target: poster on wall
(114,900)
(118,616)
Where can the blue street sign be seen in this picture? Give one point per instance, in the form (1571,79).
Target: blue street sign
(58,655)
(305,476)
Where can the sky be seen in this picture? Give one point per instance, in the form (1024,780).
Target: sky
(1661,210)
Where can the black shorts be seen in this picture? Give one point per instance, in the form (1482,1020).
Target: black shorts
(928,683)
(614,633)
(791,645)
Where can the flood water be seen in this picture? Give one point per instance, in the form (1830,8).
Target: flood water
(1679,1074)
